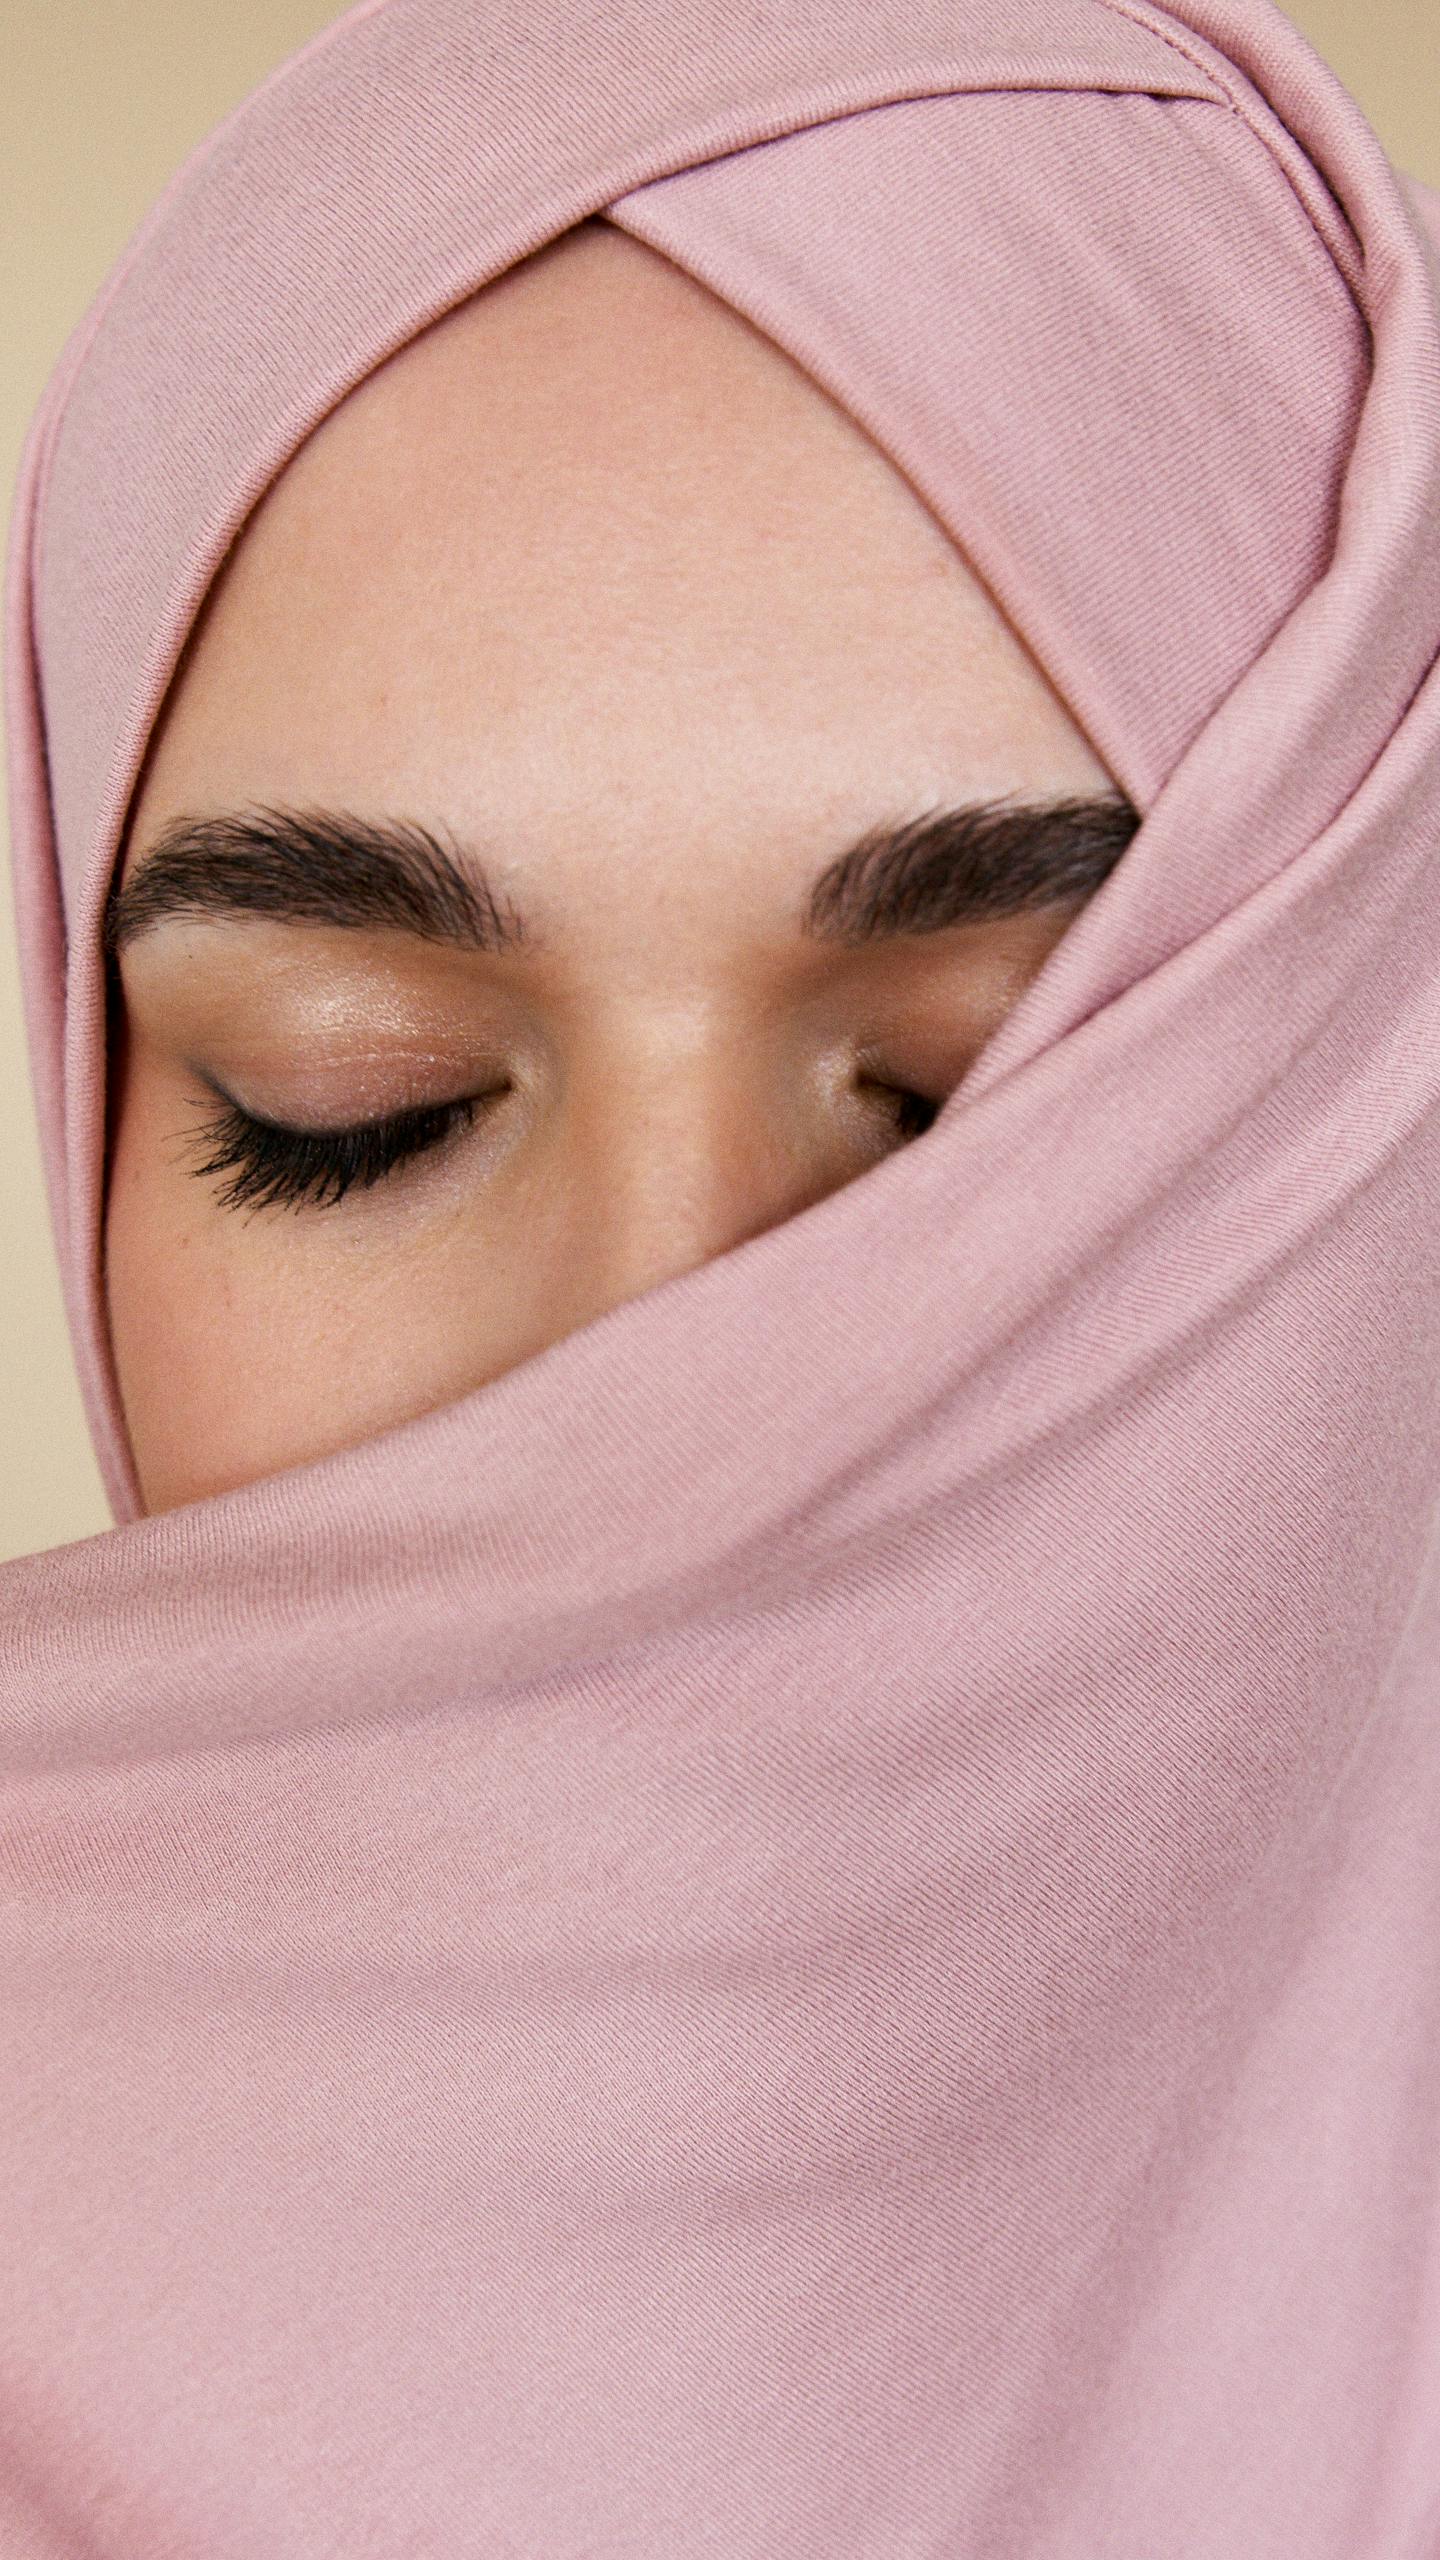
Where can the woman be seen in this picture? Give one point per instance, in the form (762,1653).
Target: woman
(592,576)
(734,1852)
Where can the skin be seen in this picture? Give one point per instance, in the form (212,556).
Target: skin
(590,575)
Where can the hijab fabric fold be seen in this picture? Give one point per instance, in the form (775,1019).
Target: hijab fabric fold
(808,1926)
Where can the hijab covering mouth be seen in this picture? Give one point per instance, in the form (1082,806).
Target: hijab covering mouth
(808,1926)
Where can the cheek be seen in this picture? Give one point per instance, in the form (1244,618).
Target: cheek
(245,1346)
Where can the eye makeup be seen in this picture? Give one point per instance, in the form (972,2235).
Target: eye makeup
(259,1164)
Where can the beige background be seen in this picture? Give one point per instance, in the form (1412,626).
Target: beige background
(101,101)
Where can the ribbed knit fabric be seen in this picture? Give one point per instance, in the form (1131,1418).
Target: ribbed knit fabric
(807,1928)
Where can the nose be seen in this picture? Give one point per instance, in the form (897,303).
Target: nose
(679,1165)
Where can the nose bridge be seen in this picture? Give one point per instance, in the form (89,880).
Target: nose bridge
(707,1140)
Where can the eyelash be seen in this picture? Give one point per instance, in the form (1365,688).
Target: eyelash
(914,1112)
(258,1164)
(267,1166)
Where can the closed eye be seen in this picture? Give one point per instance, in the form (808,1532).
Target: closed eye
(912,1113)
(261,1164)
(258,1164)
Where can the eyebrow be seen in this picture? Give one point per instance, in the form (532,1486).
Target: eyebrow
(972,864)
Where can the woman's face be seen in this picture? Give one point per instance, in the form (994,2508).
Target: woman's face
(588,639)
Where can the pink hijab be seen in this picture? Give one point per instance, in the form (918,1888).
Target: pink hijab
(806,1929)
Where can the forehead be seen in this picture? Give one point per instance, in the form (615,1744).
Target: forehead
(594,548)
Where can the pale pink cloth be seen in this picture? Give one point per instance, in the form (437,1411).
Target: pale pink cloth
(807,1929)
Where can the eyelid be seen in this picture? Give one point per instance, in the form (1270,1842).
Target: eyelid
(267,1163)
(365,1100)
